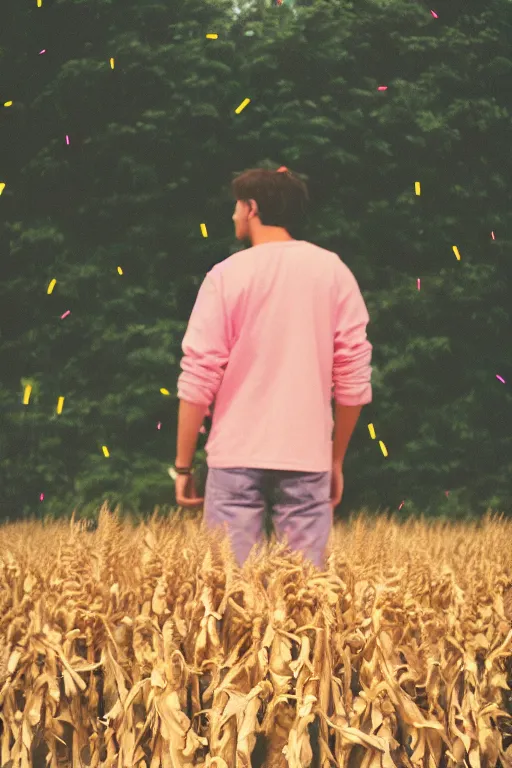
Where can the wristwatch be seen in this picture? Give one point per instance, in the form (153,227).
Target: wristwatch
(183,470)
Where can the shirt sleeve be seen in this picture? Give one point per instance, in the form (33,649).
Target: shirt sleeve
(205,346)
(352,351)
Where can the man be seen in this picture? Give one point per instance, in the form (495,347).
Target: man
(276,330)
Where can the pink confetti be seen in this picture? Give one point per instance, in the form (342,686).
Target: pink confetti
(499,377)
(419,284)
(158,426)
(43,51)
(434,14)
(65,314)
(202,430)
(67,139)
(493,236)
(382,88)
(41,497)
(447,493)
(401,505)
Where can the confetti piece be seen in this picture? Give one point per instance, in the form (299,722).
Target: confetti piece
(26,394)
(212,36)
(434,14)
(105,451)
(419,284)
(43,51)
(492,235)
(112,63)
(159,425)
(417,187)
(120,270)
(2,187)
(41,497)
(65,314)
(202,430)
(401,505)
(382,88)
(60,404)
(39,3)
(67,139)
(447,493)
(164,391)
(52,285)
(499,377)
(8,104)
(242,106)
(383,448)
(203,230)
(372,431)
(456,252)
(282,169)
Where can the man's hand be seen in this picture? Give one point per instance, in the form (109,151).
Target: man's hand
(337,483)
(186,494)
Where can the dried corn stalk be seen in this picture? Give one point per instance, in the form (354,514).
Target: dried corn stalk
(145,646)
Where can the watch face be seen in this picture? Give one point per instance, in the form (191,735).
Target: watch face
(173,472)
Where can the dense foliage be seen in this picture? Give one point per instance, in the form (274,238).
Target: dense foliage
(153,144)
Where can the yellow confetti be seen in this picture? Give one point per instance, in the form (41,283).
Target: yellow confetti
(372,431)
(164,391)
(212,36)
(52,286)
(243,105)
(8,104)
(26,394)
(417,186)
(60,404)
(203,230)
(39,3)
(105,451)
(112,63)
(2,187)
(383,448)
(456,252)
(120,270)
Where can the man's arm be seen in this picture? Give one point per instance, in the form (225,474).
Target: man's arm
(190,418)
(351,372)
(345,420)
(205,357)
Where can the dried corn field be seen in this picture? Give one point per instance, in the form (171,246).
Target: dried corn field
(147,646)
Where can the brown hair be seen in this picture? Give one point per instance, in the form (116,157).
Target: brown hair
(282,197)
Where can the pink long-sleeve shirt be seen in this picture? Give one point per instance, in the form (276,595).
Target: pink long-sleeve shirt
(276,331)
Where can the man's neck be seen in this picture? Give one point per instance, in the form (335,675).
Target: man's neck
(263,240)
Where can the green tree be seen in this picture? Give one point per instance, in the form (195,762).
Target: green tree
(152,146)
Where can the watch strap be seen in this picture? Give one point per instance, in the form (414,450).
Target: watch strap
(183,470)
